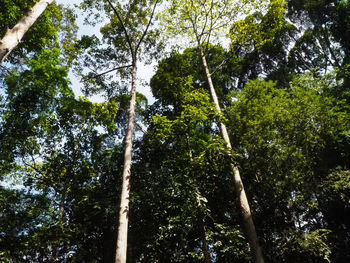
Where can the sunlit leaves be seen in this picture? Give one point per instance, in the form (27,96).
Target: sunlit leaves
(197,110)
(282,137)
(56,23)
(259,28)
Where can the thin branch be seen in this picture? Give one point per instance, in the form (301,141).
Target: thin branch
(33,167)
(218,16)
(147,27)
(6,69)
(210,28)
(194,23)
(324,53)
(213,22)
(140,128)
(312,69)
(194,27)
(296,50)
(122,24)
(222,63)
(109,71)
(326,38)
(206,17)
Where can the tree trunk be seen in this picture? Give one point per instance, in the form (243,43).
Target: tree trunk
(14,36)
(60,221)
(61,207)
(241,195)
(124,198)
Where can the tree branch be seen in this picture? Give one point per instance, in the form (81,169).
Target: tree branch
(194,27)
(326,38)
(106,72)
(211,26)
(33,167)
(6,69)
(123,26)
(206,17)
(140,128)
(222,63)
(147,27)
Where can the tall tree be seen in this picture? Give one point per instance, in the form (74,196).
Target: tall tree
(128,31)
(206,19)
(14,35)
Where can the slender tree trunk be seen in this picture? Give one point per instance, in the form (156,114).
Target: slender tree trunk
(122,240)
(241,195)
(61,207)
(14,36)
(124,198)
(206,251)
(60,221)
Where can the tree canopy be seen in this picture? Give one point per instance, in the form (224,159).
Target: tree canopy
(273,74)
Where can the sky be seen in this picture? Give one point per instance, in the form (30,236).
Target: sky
(145,72)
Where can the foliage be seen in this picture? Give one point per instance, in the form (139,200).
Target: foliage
(259,28)
(205,21)
(54,28)
(177,72)
(282,138)
(283,88)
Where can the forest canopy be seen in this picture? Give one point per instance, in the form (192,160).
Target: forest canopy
(240,154)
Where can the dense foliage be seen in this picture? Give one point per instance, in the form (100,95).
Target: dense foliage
(283,82)
(54,28)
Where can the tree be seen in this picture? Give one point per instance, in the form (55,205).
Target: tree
(260,46)
(196,112)
(54,28)
(55,143)
(310,36)
(129,23)
(205,19)
(29,108)
(14,35)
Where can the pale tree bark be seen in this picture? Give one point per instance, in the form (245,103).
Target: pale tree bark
(14,35)
(122,239)
(241,195)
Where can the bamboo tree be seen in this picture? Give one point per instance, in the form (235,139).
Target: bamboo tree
(14,35)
